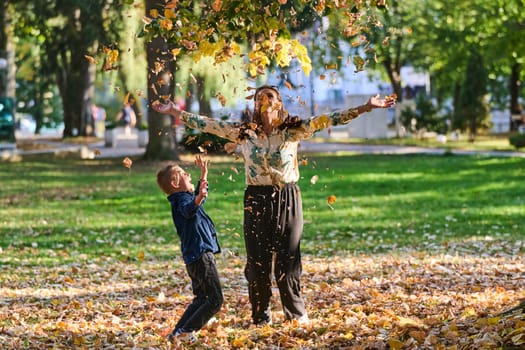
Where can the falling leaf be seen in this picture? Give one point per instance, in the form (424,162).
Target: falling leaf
(90,59)
(392,97)
(126,99)
(359,63)
(217,4)
(127,162)
(111,58)
(221,99)
(140,255)
(230,147)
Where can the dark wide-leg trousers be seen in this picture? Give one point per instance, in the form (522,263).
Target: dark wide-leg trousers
(208,298)
(273,223)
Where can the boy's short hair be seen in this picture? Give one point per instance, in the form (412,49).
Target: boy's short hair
(165,176)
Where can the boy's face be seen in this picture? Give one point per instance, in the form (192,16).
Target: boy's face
(181,181)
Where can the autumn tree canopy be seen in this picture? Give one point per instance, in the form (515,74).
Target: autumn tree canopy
(216,28)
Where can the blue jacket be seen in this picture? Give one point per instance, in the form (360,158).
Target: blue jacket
(195,229)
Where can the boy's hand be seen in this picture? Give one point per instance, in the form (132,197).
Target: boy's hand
(203,188)
(203,164)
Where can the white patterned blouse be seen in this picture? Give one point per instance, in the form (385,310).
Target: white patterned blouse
(269,160)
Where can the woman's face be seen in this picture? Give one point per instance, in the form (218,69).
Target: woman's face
(268,104)
(267,100)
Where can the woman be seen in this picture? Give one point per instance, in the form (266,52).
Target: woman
(273,216)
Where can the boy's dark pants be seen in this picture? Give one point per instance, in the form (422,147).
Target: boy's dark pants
(273,222)
(208,294)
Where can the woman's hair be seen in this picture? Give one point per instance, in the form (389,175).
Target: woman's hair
(252,121)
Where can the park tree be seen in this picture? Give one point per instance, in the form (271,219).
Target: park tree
(505,50)
(449,32)
(72,33)
(219,29)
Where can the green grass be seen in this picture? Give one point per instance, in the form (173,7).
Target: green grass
(499,142)
(61,211)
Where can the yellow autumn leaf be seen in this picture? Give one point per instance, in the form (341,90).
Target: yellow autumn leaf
(90,59)
(154,13)
(406,322)
(469,312)
(168,13)
(321,122)
(140,255)
(240,342)
(175,51)
(493,320)
(61,324)
(395,344)
(300,51)
(166,24)
(348,335)
(283,52)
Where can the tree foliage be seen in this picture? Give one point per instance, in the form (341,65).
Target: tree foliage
(67,32)
(215,29)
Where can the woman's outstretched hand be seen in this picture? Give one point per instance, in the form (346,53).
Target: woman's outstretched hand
(387,102)
(166,108)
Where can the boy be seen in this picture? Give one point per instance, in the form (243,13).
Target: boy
(198,244)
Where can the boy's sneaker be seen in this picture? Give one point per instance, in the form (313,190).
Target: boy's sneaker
(182,337)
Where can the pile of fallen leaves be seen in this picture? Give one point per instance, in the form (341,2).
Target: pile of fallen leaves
(409,301)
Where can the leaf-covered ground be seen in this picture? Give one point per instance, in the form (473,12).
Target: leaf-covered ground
(409,300)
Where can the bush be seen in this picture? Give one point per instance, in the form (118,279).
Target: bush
(517,140)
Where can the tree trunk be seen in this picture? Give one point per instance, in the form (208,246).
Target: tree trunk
(456,113)
(7,52)
(161,144)
(204,103)
(74,81)
(514,91)
(394,75)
